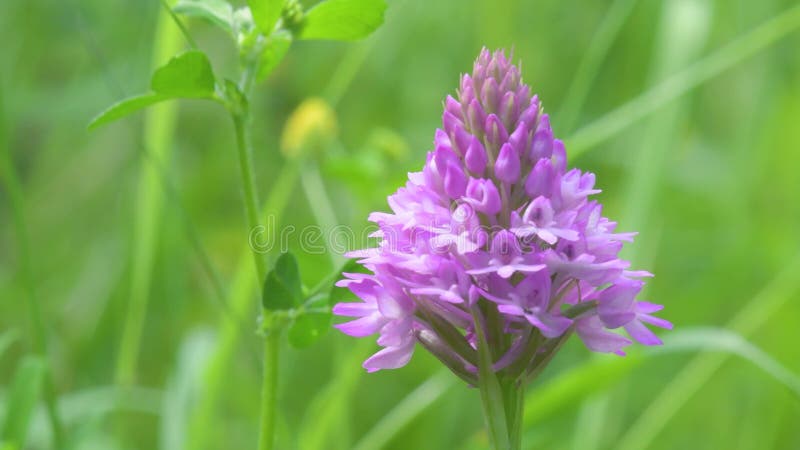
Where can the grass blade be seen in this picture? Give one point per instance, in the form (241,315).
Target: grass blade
(26,391)
(702,367)
(392,423)
(618,13)
(727,341)
(599,374)
(718,62)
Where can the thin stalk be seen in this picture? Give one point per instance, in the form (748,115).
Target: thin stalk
(272,341)
(39,333)
(514,395)
(269,390)
(245,151)
(239,298)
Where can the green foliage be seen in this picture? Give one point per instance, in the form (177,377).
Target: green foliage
(218,12)
(277,44)
(266,13)
(188,75)
(282,290)
(288,273)
(310,316)
(277,296)
(126,107)
(25,393)
(343,20)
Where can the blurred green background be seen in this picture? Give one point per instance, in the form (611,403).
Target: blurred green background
(704,163)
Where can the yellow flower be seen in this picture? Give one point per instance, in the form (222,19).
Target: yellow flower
(310,127)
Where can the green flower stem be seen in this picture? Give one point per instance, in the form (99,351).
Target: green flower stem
(272,342)
(244,147)
(493,393)
(269,389)
(514,397)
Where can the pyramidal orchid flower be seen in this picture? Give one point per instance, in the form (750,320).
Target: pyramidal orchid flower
(496,243)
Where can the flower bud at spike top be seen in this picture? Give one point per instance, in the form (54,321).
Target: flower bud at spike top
(310,127)
(535,261)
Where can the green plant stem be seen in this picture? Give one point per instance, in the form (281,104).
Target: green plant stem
(514,402)
(269,389)
(244,147)
(239,298)
(493,393)
(510,404)
(240,115)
